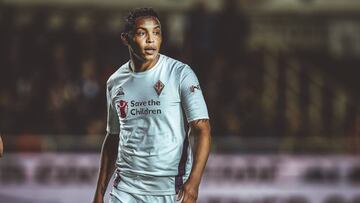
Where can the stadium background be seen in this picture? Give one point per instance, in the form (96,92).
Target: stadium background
(280,78)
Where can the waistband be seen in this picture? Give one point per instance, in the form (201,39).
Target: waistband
(144,184)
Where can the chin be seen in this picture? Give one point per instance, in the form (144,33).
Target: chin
(150,57)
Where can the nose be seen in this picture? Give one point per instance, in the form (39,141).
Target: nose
(150,38)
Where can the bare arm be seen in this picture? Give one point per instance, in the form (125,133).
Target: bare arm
(201,131)
(1,147)
(107,165)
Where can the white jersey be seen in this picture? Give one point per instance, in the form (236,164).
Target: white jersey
(146,110)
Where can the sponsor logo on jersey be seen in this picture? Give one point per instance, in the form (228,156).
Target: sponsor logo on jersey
(123,106)
(136,108)
(194,87)
(147,107)
(159,86)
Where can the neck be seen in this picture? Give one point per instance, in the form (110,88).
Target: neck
(137,65)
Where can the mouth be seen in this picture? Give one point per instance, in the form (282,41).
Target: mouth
(150,50)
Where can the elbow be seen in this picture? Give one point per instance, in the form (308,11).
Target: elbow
(206,131)
(201,127)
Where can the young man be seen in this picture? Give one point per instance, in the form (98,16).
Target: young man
(146,140)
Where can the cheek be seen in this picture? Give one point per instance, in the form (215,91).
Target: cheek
(137,44)
(159,41)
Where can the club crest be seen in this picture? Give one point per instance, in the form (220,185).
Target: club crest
(159,86)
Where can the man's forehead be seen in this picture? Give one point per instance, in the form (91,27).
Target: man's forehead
(147,21)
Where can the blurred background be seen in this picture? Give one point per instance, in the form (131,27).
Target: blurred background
(280,77)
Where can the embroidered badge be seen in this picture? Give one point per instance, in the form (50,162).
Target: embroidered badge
(159,86)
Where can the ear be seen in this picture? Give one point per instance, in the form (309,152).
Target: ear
(125,38)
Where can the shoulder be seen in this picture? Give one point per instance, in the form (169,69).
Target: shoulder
(176,66)
(117,75)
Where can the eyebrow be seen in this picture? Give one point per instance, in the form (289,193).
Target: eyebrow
(158,26)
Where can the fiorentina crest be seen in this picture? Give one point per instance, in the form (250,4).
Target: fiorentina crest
(159,86)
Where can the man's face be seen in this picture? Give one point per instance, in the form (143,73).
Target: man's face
(145,40)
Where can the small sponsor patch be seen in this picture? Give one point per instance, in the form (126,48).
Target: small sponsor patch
(194,87)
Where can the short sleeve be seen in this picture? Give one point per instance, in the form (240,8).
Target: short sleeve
(113,124)
(191,95)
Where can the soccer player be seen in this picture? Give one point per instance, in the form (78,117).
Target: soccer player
(146,140)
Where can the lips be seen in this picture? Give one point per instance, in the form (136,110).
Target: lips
(150,50)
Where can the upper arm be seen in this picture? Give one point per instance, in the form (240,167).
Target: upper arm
(191,96)
(113,138)
(112,124)
(111,143)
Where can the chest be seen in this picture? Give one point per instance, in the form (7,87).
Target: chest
(145,96)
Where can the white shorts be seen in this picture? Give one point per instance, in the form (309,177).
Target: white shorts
(125,197)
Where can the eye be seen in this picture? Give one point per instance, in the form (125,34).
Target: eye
(157,32)
(140,33)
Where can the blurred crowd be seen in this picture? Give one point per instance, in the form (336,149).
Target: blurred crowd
(54,70)
(55,62)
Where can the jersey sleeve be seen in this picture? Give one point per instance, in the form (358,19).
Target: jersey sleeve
(191,96)
(113,124)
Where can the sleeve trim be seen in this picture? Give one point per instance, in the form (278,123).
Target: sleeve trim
(112,132)
(198,118)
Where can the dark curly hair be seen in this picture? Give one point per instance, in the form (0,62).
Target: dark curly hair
(136,13)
